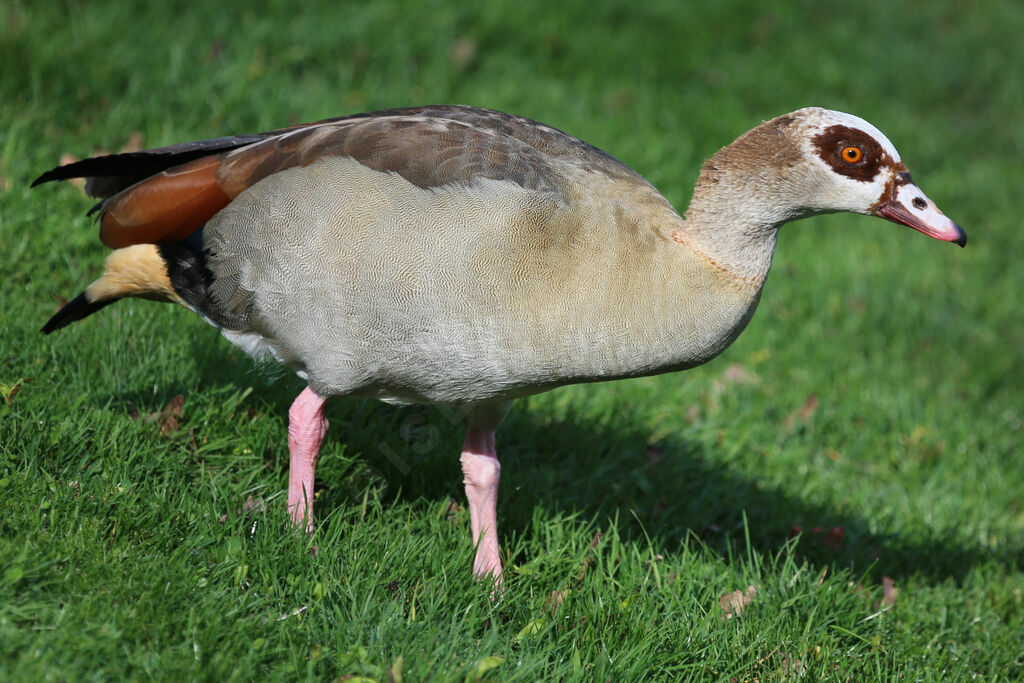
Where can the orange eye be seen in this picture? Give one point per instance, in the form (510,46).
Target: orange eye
(852,155)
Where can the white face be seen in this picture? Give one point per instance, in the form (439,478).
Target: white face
(859,170)
(829,117)
(856,163)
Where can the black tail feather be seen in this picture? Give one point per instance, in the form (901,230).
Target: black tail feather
(76,309)
(112,173)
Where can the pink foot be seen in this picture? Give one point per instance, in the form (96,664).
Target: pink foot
(482,472)
(306,428)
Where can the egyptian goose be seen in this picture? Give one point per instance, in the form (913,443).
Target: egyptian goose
(466,257)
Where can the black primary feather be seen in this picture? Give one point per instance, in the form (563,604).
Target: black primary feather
(112,173)
(76,309)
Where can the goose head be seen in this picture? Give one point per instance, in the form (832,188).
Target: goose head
(809,162)
(857,169)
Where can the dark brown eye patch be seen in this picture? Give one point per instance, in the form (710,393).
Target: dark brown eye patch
(851,152)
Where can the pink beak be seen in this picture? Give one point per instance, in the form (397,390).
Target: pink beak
(910,207)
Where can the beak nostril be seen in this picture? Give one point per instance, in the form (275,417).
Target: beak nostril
(919,203)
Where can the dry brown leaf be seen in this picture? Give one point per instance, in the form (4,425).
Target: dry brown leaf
(555,599)
(462,53)
(168,425)
(792,668)
(133,143)
(834,539)
(168,417)
(735,602)
(802,414)
(214,52)
(737,374)
(66,159)
(657,558)
(9,392)
(708,530)
(452,512)
(889,592)
(734,376)
(921,444)
(809,407)
(249,506)
(176,405)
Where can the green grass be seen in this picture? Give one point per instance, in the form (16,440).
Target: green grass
(878,389)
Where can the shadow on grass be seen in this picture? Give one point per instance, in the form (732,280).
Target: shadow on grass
(669,491)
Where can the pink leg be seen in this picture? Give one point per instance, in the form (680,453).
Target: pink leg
(482,471)
(306,428)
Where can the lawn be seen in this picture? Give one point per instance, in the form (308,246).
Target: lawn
(837,496)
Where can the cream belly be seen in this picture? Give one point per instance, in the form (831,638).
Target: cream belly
(372,286)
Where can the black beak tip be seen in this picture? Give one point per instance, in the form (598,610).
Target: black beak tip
(961,236)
